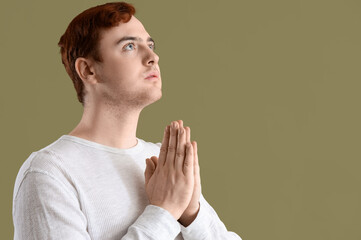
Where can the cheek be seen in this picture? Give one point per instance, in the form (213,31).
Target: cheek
(123,67)
(115,70)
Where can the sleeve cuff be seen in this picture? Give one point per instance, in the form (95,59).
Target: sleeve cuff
(158,223)
(199,228)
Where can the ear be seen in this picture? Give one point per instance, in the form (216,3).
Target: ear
(85,70)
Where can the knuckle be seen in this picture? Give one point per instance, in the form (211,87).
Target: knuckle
(171,148)
(186,163)
(163,149)
(189,145)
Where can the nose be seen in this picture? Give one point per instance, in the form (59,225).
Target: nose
(151,58)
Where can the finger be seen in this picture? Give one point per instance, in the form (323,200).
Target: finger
(164,147)
(155,161)
(196,164)
(197,177)
(195,151)
(188,131)
(188,162)
(180,153)
(171,150)
(180,122)
(197,167)
(149,170)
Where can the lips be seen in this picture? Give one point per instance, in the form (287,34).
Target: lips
(152,75)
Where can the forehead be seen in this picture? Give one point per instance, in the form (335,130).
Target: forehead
(131,28)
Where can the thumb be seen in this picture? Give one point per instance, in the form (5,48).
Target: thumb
(154,160)
(149,170)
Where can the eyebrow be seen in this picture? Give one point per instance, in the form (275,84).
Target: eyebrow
(149,39)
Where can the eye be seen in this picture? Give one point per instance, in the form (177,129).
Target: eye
(129,46)
(152,46)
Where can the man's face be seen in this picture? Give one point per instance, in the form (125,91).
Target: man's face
(128,61)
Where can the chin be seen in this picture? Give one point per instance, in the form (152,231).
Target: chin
(157,96)
(152,98)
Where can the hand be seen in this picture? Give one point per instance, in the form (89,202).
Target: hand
(169,183)
(192,210)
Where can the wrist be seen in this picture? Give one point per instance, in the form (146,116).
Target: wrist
(188,217)
(175,213)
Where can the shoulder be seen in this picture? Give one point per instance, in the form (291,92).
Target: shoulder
(44,162)
(41,161)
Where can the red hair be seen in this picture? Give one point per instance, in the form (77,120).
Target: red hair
(81,38)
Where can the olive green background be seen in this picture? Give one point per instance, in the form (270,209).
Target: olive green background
(270,89)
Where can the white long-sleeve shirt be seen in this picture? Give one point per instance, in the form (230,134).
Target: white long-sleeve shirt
(79,189)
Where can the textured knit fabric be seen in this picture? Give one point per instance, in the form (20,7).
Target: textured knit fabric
(79,189)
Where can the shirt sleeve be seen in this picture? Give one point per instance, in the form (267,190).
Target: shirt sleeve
(145,227)
(207,225)
(45,209)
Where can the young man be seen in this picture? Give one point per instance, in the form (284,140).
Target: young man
(100,181)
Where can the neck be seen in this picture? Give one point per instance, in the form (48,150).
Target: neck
(111,126)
